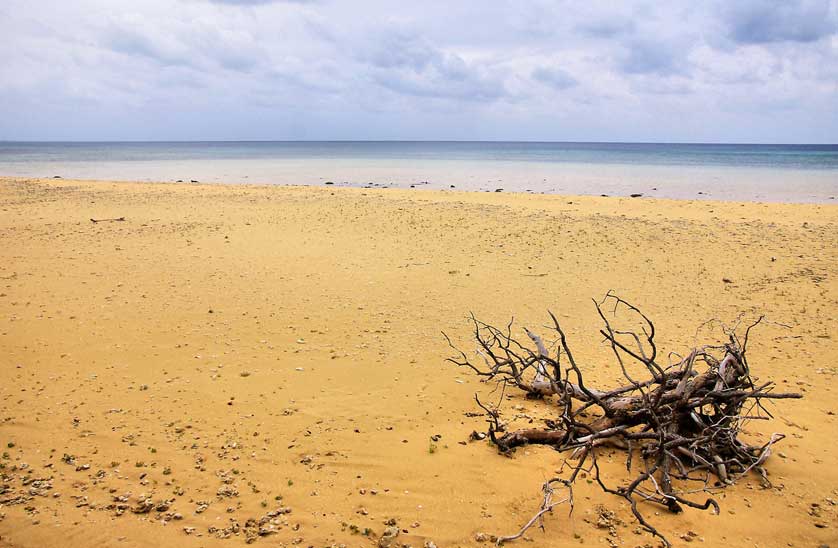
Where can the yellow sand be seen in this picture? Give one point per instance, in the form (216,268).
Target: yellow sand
(317,313)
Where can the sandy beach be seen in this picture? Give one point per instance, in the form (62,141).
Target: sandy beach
(230,352)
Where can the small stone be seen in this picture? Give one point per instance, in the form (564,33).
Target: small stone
(477,436)
(388,537)
(144,506)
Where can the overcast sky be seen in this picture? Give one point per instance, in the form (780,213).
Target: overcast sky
(726,71)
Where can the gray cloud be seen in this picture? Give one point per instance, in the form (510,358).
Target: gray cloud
(644,56)
(766,21)
(554,77)
(403,62)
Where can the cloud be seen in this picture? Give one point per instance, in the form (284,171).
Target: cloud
(554,77)
(258,2)
(202,45)
(644,56)
(767,21)
(404,62)
(370,69)
(608,27)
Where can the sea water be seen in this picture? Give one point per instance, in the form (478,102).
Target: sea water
(794,173)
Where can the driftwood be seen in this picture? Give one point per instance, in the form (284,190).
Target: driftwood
(118,219)
(679,424)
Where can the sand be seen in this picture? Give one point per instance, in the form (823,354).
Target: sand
(265,349)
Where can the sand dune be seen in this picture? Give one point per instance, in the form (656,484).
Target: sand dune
(274,354)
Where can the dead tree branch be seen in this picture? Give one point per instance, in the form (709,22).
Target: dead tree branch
(117,219)
(680,424)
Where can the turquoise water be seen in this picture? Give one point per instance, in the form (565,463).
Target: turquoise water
(723,171)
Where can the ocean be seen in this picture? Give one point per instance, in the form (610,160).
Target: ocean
(789,173)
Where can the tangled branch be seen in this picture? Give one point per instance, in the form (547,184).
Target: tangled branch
(679,423)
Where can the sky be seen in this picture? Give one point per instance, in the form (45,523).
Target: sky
(676,71)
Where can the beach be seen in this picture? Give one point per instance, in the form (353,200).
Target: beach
(230,351)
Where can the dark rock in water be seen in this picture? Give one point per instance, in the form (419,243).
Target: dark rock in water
(329,183)
(452,186)
(636,195)
(179,181)
(604,195)
(56,176)
(192,181)
(412,186)
(498,190)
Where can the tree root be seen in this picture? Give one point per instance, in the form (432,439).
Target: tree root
(679,426)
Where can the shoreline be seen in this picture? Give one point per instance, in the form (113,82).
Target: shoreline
(418,188)
(730,172)
(261,346)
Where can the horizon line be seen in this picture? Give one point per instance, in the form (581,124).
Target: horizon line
(412,141)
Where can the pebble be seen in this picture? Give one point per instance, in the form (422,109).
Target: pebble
(388,537)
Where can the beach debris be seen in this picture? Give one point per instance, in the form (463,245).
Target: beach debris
(388,537)
(143,506)
(114,220)
(636,195)
(227,491)
(680,426)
